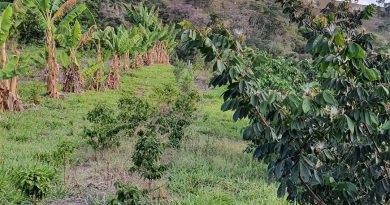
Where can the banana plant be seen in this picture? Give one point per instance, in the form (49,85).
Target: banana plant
(53,14)
(158,38)
(134,44)
(9,98)
(119,43)
(95,71)
(71,39)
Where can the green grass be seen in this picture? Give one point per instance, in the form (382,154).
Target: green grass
(210,168)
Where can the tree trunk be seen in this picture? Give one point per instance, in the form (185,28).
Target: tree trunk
(113,80)
(95,83)
(73,82)
(150,57)
(9,98)
(126,63)
(138,61)
(52,74)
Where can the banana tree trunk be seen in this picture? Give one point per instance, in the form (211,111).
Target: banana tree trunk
(95,81)
(138,61)
(73,82)
(126,63)
(9,98)
(113,80)
(150,57)
(52,74)
(162,53)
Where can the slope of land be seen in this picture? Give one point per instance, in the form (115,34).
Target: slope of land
(210,168)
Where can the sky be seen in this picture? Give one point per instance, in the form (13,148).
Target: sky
(367,2)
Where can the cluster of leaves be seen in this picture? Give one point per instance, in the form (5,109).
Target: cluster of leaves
(153,29)
(127,194)
(133,113)
(103,133)
(326,143)
(147,154)
(63,152)
(34,182)
(106,125)
(173,123)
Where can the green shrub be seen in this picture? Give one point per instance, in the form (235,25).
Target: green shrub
(102,134)
(127,195)
(147,155)
(133,113)
(166,95)
(34,182)
(174,123)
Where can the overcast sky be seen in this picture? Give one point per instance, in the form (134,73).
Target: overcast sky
(366,2)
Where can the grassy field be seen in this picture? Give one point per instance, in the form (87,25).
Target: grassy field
(210,168)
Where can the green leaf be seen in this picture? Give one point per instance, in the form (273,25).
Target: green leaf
(386,125)
(10,71)
(329,181)
(71,16)
(351,124)
(346,187)
(306,105)
(339,39)
(304,171)
(76,34)
(355,51)
(221,66)
(329,98)
(6,23)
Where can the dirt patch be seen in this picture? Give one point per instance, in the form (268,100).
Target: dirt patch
(93,180)
(202,81)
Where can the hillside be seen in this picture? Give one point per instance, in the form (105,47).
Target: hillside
(209,169)
(262,21)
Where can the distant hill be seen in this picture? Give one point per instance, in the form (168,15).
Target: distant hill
(261,20)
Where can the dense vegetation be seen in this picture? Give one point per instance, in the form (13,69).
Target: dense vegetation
(116,124)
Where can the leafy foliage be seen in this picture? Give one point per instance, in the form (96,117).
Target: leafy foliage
(134,113)
(173,123)
(126,194)
(147,154)
(34,182)
(102,134)
(325,142)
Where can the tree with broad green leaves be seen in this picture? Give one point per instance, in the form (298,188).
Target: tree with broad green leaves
(327,140)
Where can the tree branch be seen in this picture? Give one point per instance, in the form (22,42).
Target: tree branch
(312,194)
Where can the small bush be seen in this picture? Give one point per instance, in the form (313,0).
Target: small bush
(133,113)
(174,123)
(102,134)
(34,182)
(166,95)
(147,154)
(127,194)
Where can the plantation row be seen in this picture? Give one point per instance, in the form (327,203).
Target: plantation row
(148,42)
